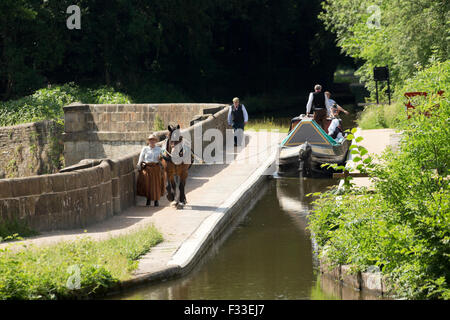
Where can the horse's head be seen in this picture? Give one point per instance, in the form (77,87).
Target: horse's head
(174,137)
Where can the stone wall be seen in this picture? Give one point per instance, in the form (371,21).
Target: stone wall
(112,131)
(30,149)
(373,282)
(73,199)
(88,192)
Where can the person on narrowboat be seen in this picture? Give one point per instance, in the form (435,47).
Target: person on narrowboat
(334,107)
(150,183)
(318,104)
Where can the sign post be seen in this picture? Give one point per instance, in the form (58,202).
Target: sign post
(382,74)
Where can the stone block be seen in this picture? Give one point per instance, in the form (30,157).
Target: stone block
(371,281)
(41,206)
(109,209)
(28,206)
(99,173)
(326,268)
(57,182)
(71,181)
(84,179)
(115,168)
(45,185)
(116,205)
(39,223)
(106,171)
(101,212)
(92,176)
(54,202)
(20,187)
(5,189)
(350,279)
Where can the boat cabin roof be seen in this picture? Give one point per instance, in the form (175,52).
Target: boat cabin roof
(308,130)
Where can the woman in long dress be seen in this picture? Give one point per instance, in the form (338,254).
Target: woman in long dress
(150,182)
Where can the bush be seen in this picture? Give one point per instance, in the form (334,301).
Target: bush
(48,103)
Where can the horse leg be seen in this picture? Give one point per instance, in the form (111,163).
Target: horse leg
(183,178)
(171,189)
(170,183)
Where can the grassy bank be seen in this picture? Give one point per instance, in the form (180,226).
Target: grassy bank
(402,227)
(75,269)
(382,116)
(258,124)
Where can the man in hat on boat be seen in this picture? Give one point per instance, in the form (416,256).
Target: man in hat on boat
(150,183)
(318,104)
(238,118)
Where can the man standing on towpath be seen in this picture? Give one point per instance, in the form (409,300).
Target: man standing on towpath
(238,118)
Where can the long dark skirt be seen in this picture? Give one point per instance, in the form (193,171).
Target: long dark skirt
(150,182)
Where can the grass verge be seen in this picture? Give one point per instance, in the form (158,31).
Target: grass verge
(381,116)
(71,270)
(281,124)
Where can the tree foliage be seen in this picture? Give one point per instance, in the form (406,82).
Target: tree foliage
(401,34)
(206,47)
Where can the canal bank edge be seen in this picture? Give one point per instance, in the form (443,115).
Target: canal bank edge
(210,231)
(372,282)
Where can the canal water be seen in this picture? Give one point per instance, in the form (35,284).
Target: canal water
(267,255)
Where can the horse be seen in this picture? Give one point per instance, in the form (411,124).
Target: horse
(178,168)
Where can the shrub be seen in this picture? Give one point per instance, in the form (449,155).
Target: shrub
(48,103)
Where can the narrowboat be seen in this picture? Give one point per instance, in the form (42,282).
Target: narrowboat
(307,146)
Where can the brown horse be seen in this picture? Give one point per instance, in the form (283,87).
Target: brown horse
(175,164)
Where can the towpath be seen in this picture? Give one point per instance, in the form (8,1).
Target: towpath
(376,141)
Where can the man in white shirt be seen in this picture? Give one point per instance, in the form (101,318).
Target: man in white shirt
(318,104)
(238,118)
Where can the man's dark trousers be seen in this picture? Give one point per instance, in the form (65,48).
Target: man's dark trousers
(236,126)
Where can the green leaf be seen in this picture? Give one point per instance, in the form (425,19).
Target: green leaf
(363,152)
(359,139)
